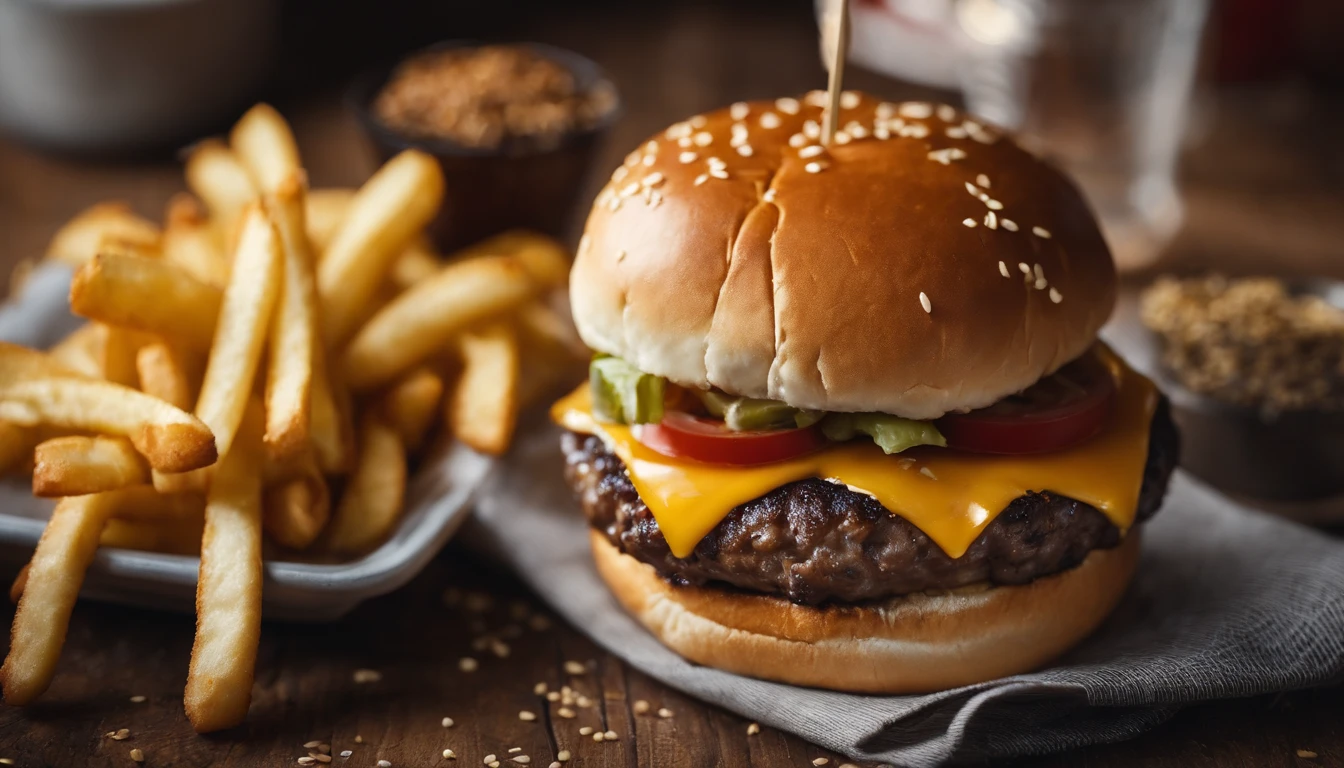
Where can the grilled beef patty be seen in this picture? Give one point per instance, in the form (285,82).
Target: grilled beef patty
(814,541)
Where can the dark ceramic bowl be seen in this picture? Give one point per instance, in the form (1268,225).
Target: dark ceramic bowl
(490,191)
(1290,456)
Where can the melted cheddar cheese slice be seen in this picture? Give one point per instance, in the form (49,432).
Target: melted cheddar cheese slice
(952,502)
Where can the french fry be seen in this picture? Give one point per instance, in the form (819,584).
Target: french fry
(174,483)
(547,261)
(418,262)
(149,295)
(16,446)
(539,379)
(77,466)
(19,363)
(373,498)
(411,405)
(34,390)
(228,588)
(296,508)
(55,576)
(343,293)
(157,522)
(180,536)
(20,581)
(81,351)
(102,351)
(184,208)
(331,424)
(220,181)
(78,241)
(293,341)
(386,213)
(483,408)
(547,333)
(169,373)
(122,247)
(545,258)
(325,209)
(189,242)
(427,317)
(381,298)
(120,347)
(144,504)
(505,243)
(263,142)
(240,335)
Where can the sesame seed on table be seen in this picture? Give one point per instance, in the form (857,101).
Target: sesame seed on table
(312,706)
(405,679)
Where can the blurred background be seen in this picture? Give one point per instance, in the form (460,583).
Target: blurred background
(1238,100)
(1205,133)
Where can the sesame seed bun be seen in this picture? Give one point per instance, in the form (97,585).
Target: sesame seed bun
(877,274)
(912,644)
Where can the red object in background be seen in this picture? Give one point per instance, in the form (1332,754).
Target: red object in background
(1254,39)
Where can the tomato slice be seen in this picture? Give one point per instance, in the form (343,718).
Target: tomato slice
(1061,410)
(687,436)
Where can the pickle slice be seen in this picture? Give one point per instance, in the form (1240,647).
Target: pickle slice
(624,394)
(745,414)
(891,433)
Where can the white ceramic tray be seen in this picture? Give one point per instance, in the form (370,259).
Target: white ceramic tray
(438,502)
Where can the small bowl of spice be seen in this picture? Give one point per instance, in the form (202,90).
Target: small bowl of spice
(1254,368)
(515,128)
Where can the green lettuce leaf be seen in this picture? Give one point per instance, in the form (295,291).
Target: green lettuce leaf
(891,433)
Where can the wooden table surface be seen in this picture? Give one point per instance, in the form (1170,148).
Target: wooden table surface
(1264,190)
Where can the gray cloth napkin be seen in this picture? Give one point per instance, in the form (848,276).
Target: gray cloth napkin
(1227,602)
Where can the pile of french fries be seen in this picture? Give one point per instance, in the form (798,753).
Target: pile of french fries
(266,363)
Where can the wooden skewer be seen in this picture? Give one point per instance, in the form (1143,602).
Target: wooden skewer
(835,42)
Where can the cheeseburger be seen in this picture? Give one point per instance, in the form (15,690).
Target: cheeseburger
(849,424)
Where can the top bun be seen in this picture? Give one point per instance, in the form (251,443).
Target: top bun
(920,264)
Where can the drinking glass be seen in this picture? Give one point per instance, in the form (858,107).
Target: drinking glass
(1100,86)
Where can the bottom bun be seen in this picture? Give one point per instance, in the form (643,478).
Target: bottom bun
(912,644)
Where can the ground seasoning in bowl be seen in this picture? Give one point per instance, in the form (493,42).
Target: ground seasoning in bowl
(1252,342)
(1254,369)
(514,127)
(490,97)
